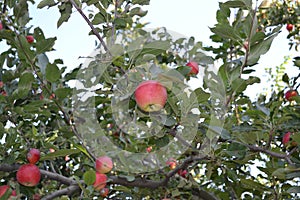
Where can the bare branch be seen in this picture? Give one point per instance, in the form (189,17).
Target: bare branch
(91,26)
(66,191)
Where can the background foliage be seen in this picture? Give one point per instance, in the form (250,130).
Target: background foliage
(38,108)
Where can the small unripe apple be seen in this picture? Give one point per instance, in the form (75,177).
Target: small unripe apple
(1,26)
(289,94)
(3,190)
(286,138)
(151,96)
(29,175)
(33,156)
(30,39)
(104,192)
(104,164)
(194,67)
(289,27)
(100,181)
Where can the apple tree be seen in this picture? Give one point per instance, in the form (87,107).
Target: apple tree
(126,124)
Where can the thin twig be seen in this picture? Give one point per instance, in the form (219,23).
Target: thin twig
(91,26)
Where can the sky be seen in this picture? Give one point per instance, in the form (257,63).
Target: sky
(191,18)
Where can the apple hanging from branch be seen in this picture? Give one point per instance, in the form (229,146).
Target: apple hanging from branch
(151,96)
(29,175)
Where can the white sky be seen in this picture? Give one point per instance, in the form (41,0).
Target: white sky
(189,17)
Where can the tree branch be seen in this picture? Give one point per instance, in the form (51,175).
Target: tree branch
(74,187)
(66,191)
(91,26)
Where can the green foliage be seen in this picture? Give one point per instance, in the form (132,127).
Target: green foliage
(230,145)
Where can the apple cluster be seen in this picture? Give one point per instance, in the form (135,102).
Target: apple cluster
(104,164)
(29,174)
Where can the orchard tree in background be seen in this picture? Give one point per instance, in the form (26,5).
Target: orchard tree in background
(126,125)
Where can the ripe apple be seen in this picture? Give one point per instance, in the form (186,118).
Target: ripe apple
(52,96)
(289,94)
(149,149)
(104,192)
(194,67)
(36,197)
(1,26)
(104,164)
(3,190)
(289,27)
(1,84)
(172,163)
(29,175)
(151,96)
(100,181)
(3,93)
(182,173)
(286,138)
(33,156)
(30,39)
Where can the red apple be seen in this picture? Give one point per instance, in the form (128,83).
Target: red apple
(151,96)
(1,26)
(100,181)
(33,156)
(52,96)
(289,27)
(3,190)
(182,173)
(286,138)
(29,175)
(194,67)
(36,197)
(3,93)
(289,94)
(104,164)
(172,163)
(149,149)
(30,39)
(1,84)
(104,192)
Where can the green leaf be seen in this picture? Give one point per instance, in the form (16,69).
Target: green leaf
(89,177)
(59,153)
(99,18)
(253,185)
(65,12)
(52,73)
(155,47)
(280,173)
(45,45)
(226,31)
(42,62)
(259,49)
(202,96)
(294,189)
(238,4)
(62,93)
(44,3)
(141,2)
